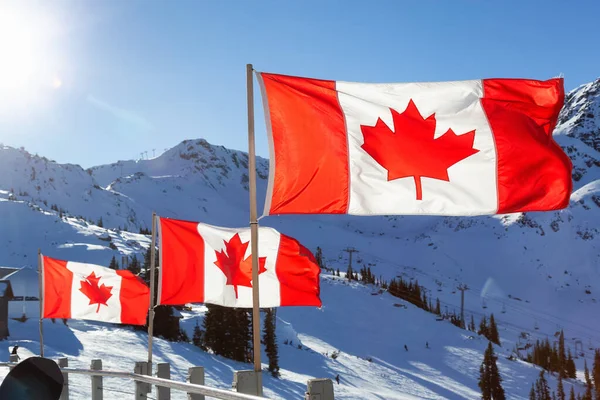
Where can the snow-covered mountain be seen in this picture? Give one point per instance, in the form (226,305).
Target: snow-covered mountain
(537,272)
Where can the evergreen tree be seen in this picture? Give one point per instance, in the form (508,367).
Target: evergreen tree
(560,390)
(319,258)
(198,337)
(472,327)
(270,340)
(337,272)
(542,391)
(134,267)
(227,332)
(113,263)
(483,327)
(494,337)
(100,223)
(570,367)
(214,332)
(596,373)
(147,259)
(562,356)
(572,395)
(241,335)
(484,381)
(588,383)
(438,308)
(532,394)
(490,381)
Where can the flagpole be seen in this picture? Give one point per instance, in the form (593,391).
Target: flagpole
(41,286)
(151,307)
(253,231)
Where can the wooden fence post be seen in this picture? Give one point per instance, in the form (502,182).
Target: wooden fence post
(196,375)
(63,363)
(164,371)
(321,389)
(141,389)
(245,382)
(96,380)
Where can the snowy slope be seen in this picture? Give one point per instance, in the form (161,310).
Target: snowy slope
(537,272)
(372,362)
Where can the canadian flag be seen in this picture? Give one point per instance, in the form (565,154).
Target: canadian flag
(443,148)
(201,263)
(87,291)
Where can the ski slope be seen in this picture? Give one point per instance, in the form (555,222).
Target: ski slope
(372,361)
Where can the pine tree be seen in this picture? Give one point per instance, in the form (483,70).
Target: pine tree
(319,258)
(483,327)
(562,356)
(532,394)
(198,338)
(572,395)
(113,263)
(560,390)
(337,272)
(472,327)
(494,337)
(214,331)
(134,266)
(100,223)
(570,367)
(147,259)
(596,373)
(349,273)
(490,381)
(588,383)
(438,308)
(484,382)
(227,332)
(270,340)
(542,391)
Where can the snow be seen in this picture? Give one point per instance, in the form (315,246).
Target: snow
(537,272)
(372,362)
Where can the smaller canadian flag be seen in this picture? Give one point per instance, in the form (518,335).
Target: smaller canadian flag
(202,263)
(86,291)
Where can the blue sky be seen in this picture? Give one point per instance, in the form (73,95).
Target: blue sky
(122,77)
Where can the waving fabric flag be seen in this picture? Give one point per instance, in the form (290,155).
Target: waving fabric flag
(87,291)
(201,263)
(444,148)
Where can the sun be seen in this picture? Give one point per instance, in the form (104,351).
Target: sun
(27,57)
(17,47)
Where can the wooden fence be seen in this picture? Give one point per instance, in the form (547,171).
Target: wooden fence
(321,389)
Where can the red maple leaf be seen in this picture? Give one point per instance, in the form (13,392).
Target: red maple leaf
(237,269)
(411,150)
(97,294)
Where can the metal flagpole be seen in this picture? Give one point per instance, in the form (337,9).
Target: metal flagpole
(253,231)
(41,286)
(151,307)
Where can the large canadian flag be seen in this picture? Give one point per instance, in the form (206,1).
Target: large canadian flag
(201,263)
(443,148)
(87,291)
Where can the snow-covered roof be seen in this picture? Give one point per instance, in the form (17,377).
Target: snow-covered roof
(6,270)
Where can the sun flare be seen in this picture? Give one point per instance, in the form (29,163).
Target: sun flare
(26,58)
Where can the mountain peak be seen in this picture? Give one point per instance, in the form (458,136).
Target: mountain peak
(580,117)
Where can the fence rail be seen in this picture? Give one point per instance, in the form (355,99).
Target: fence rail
(320,387)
